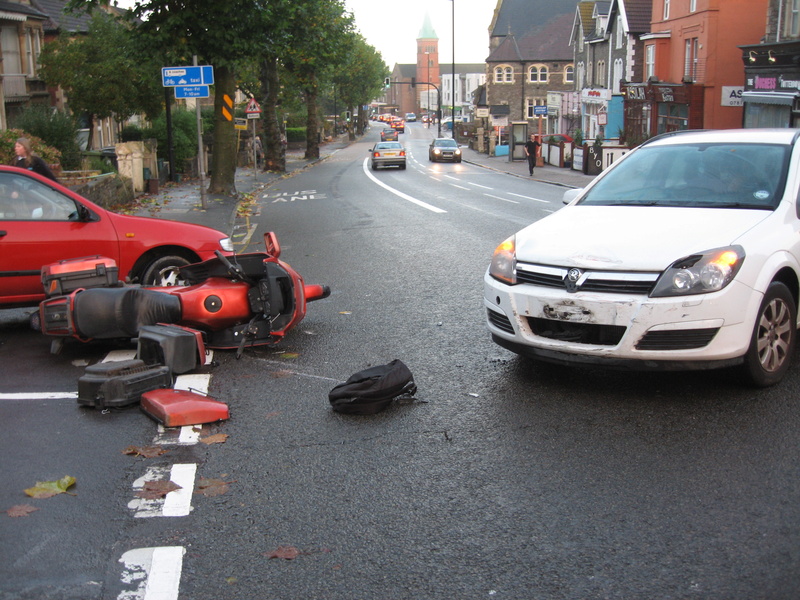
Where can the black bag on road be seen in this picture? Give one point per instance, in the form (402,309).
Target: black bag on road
(371,390)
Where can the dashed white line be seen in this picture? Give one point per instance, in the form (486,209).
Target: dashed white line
(528,198)
(503,199)
(156,573)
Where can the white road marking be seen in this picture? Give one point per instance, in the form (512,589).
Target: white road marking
(177,503)
(400,194)
(503,199)
(461,187)
(528,198)
(156,572)
(486,187)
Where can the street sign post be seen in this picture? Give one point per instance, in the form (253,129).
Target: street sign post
(253,111)
(180,76)
(192,91)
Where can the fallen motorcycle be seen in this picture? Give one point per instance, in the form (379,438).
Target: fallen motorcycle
(236,302)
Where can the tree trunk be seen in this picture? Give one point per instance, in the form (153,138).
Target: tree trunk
(274,149)
(312,127)
(225,153)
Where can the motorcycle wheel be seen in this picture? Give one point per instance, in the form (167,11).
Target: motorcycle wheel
(163,272)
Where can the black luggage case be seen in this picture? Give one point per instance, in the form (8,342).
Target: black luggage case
(116,384)
(180,348)
(68,275)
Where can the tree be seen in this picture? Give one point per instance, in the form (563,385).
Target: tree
(103,73)
(313,57)
(360,78)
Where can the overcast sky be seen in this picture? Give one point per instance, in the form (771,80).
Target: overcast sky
(393,28)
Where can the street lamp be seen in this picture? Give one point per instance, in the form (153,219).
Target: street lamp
(428,90)
(453,85)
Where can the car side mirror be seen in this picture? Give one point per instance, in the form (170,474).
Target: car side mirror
(570,195)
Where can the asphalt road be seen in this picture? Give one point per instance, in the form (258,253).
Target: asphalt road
(503,479)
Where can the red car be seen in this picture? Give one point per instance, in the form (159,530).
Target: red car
(398,125)
(42,222)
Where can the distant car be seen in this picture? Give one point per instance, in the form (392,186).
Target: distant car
(388,135)
(426,118)
(559,137)
(444,149)
(398,125)
(42,222)
(388,154)
(411,117)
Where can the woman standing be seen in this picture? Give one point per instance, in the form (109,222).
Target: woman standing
(27,159)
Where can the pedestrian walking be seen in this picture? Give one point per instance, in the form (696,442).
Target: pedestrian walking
(26,159)
(532,152)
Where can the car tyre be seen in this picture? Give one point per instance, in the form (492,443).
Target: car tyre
(163,272)
(774,337)
(374,167)
(403,167)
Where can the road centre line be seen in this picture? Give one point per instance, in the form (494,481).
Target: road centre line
(503,199)
(398,193)
(486,187)
(162,573)
(461,187)
(529,198)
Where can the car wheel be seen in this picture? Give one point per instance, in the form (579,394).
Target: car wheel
(774,337)
(163,272)
(403,167)
(374,167)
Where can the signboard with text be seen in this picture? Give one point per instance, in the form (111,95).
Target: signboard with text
(180,76)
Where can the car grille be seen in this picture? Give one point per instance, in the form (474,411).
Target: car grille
(677,339)
(500,321)
(610,282)
(580,333)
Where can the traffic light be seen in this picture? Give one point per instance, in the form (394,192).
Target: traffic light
(413,82)
(387,83)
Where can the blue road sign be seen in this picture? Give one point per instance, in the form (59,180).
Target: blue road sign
(540,110)
(192,91)
(178,76)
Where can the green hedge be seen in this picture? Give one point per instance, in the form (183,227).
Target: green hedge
(296,134)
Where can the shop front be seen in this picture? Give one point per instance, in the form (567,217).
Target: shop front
(772,84)
(652,108)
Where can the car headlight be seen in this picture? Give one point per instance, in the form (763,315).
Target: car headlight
(701,273)
(504,262)
(436,151)
(458,151)
(226,244)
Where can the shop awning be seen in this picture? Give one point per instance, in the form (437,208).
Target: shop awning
(786,98)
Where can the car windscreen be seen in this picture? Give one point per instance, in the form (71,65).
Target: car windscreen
(710,175)
(446,143)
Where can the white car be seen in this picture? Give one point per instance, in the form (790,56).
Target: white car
(685,254)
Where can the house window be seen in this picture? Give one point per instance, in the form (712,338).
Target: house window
(618,75)
(581,75)
(793,20)
(692,5)
(537,74)
(620,32)
(666,9)
(569,74)
(509,74)
(649,61)
(531,104)
(503,74)
(600,73)
(498,75)
(692,47)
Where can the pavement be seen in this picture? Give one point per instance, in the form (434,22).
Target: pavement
(183,201)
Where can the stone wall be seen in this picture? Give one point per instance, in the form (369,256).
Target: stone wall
(108,190)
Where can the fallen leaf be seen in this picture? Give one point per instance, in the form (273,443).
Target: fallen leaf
(281,374)
(272,414)
(211,487)
(287,552)
(345,312)
(47,489)
(218,438)
(153,490)
(145,451)
(291,355)
(21,510)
